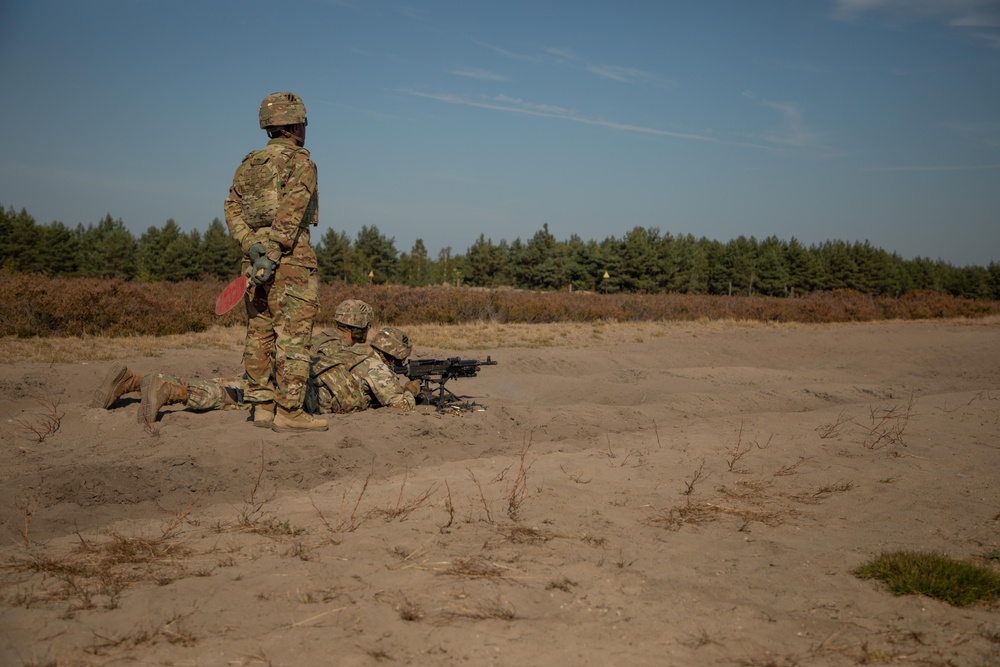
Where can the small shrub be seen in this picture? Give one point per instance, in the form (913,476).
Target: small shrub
(934,575)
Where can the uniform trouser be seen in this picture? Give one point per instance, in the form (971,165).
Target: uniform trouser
(276,354)
(215,394)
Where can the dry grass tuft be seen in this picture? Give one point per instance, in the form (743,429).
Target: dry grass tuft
(97,571)
(496,608)
(692,514)
(172,631)
(524,535)
(473,568)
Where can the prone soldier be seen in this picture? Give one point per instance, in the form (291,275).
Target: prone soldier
(347,374)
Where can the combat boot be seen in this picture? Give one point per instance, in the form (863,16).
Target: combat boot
(118,382)
(286,421)
(157,392)
(263,414)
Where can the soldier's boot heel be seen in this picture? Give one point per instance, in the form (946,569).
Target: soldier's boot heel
(157,392)
(263,414)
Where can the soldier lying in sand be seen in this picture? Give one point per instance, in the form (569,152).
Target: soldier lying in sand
(347,374)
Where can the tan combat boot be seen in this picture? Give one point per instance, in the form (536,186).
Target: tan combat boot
(286,421)
(118,382)
(263,414)
(157,392)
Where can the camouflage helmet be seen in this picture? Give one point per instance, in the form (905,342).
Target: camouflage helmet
(393,342)
(354,313)
(282,109)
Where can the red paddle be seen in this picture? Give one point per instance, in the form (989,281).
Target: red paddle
(232,295)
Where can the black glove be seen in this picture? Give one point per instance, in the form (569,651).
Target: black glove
(262,270)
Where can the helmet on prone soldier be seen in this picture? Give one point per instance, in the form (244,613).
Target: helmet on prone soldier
(392,342)
(354,313)
(279,109)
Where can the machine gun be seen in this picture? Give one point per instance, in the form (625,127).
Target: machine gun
(434,373)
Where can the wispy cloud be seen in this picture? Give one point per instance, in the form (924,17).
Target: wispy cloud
(504,52)
(507,104)
(795,133)
(478,74)
(979,16)
(567,57)
(623,74)
(986,133)
(991,39)
(562,54)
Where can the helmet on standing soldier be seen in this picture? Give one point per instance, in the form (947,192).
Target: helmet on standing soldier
(279,109)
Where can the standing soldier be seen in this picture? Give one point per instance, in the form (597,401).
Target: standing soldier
(270,206)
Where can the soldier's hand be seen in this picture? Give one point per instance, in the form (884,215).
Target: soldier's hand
(262,271)
(256,251)
(412,387)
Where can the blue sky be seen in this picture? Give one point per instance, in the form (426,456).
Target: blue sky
(857,120)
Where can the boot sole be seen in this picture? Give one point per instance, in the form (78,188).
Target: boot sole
(104,394)
(294,429)
(143,416)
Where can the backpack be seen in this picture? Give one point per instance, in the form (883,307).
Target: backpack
(263,174)
(331,386)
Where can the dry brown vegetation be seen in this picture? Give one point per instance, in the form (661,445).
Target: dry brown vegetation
(86,306)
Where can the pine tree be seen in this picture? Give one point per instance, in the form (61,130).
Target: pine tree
(805,268)
(773,275)
(151,248)
(335,257)
(182,257)
(994,280)
(415,267)
(21,240)
(220,254)
(59,250)
(448,269)
(608,260)
(376,255)
(488,264)
(641,266)
(840,271)
(581,264)
(691,268)
(540,264)
(107,250)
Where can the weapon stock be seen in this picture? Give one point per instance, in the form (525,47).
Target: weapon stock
(434,373)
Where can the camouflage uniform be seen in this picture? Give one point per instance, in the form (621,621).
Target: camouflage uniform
(347,378)
(344,378)
(205,395)
(272,201)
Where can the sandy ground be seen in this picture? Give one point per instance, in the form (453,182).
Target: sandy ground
(677,494)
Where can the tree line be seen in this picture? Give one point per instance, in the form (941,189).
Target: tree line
(641,261)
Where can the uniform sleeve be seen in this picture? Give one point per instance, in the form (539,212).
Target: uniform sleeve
(385,387)
(297,207)
(238,227)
